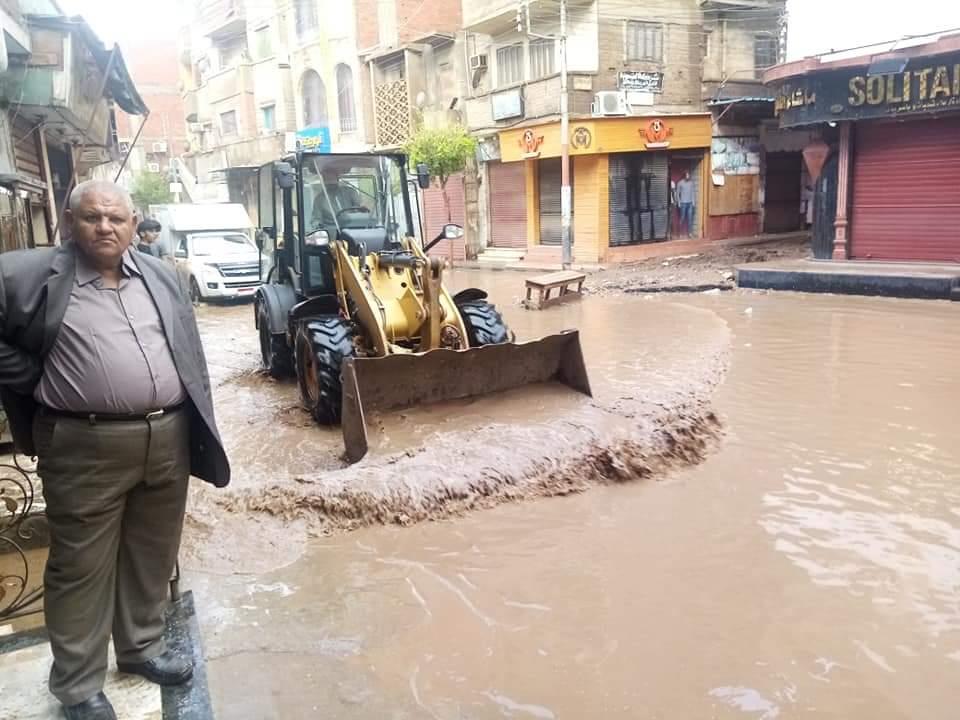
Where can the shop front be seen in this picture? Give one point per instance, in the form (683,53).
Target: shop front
(893,122)
(634,181)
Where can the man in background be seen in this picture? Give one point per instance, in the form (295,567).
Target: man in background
(148,239)
(685,199)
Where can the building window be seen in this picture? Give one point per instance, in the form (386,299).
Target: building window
(644,41)
(268,116)
(764,53)
(345,102)
(509,65)
(228,123)
(306,16)
(542,58)
(263,43)
(314,95)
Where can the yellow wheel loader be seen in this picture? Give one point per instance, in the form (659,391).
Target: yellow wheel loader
(355,307)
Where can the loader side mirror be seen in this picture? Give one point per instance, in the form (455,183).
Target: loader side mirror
(423,176)
(286,177)
(261,239)
(452,231)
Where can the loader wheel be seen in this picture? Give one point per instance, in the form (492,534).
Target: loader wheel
(276,356)
(484,324)
(322,345)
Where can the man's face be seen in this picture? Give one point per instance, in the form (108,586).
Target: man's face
(149,236)
(686,175)
(102,226)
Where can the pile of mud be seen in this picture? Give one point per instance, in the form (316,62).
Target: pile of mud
(652,413)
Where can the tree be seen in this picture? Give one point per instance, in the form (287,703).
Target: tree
(150,188)
(444,151)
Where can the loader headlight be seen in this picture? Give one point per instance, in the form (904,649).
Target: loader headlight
(318,238)
(450,337)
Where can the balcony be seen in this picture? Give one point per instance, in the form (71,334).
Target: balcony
(392,112)
(228,83)
(191,106)
(220,19)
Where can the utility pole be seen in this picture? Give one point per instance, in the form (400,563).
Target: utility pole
(566,197)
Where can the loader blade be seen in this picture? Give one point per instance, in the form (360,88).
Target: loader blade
(399,381)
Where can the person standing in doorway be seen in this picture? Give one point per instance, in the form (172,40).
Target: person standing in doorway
(103,378)
(685,200)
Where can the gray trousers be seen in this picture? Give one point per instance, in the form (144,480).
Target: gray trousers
(115,493)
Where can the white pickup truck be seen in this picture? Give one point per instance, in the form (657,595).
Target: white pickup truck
(213,248)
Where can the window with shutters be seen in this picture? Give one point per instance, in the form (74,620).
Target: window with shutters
(228,123)
(263,43)
(268,115)
(305,12)
(345,101)
(542,58)
(644,41)
(765,49)
(509,65)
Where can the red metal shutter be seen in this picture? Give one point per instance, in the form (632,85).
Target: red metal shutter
(508,205)
(435,216)
(906,191)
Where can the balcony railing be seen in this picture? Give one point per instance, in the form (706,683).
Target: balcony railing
(222,18)
(392,112)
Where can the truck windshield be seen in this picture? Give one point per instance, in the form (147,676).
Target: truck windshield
(221,245)
(364,190)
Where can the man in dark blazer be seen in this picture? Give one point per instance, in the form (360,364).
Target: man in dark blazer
(103,378)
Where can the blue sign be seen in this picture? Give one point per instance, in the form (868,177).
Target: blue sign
(315,138)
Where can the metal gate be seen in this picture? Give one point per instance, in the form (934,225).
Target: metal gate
(549,188)
(906,190)
(825,210)
(639,197)
(435,217)
(508,204)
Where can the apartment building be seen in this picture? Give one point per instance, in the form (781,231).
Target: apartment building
(658,90)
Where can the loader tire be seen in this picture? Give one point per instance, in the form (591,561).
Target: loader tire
(484,324)
(274,352)
(322,345)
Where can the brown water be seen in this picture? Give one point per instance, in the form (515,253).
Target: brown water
(810,567)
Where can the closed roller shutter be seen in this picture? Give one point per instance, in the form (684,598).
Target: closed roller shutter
(508,205)
(906,191)
(549,188)
(639,198)
(435,217)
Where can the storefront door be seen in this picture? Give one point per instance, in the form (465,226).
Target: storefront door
(549,186)
(508,205)
(639,198)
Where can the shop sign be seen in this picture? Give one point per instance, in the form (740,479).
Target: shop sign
(657,134)
(315,139)
(506,105)
(925,84)
(640,80)
(530,143)
(581,138)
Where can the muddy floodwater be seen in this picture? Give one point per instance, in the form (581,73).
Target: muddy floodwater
(807,564)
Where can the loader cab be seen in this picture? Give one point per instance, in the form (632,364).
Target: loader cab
(308,200)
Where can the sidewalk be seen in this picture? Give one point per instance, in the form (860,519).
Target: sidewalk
(851,277)
(641,253)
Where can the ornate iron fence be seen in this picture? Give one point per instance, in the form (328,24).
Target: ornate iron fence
(22,524)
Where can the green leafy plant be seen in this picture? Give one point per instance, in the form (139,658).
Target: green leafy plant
(150,188)
(444,151)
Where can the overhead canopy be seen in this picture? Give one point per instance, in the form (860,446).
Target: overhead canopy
(120,86)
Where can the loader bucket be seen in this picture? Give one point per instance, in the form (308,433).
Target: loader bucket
(399,381)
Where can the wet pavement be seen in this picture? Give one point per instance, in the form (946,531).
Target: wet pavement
(808,567)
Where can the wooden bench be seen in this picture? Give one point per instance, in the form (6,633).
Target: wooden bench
(544,284)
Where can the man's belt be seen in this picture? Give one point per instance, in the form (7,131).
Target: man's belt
(110,417)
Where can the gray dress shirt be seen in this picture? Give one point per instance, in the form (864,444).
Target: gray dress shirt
(110,355)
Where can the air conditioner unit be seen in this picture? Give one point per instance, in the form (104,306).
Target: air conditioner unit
(478,62)
(153,167)
(159,147)
(610,102)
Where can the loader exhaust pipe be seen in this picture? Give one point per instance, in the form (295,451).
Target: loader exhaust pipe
(402,380)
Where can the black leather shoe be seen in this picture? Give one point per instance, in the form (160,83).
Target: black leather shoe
(165,669)
(96,708)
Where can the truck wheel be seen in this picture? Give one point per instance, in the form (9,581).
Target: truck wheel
(195,295)
(322,345)
(485,325)
(276,356)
